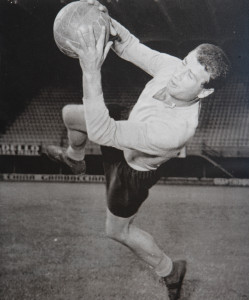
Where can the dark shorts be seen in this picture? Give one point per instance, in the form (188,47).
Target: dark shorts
(126,188)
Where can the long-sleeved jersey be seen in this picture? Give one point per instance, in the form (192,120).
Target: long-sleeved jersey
(155,130)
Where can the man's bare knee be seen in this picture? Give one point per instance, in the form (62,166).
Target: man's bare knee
(117,234)
(73,116)
(117,228)
(67,114)
(110,230)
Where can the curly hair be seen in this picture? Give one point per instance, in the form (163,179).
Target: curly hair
(216,63)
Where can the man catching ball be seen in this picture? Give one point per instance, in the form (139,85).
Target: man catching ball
(162,121)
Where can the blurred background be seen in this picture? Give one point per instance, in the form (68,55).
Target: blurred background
(37,80)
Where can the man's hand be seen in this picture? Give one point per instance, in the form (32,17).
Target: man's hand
(93,55)
(102,8)
(96,3)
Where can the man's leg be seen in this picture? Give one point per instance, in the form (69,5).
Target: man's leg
(140,242)
(74,120)
(144,246)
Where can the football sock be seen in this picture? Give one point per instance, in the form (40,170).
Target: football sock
(164,267)
(75,154)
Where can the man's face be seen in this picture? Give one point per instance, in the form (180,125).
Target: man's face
(187,82)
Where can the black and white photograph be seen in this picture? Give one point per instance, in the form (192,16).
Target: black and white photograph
(124,150)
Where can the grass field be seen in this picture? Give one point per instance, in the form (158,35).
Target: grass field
(53,244)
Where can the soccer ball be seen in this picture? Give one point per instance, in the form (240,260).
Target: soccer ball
(71,17)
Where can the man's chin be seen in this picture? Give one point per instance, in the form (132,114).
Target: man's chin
(171,90)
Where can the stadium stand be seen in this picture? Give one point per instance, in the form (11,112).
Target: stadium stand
(41,123)
(223,129)
(224,122)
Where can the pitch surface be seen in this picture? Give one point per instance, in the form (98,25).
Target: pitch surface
(53,244)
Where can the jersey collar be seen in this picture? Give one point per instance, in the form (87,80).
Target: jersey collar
(161,96)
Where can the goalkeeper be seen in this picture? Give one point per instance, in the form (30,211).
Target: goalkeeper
(162,121)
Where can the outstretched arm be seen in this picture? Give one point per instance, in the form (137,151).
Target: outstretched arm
(129,48)
(91,58)
(100,127)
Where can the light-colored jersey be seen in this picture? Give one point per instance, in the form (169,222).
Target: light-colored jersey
(156,130)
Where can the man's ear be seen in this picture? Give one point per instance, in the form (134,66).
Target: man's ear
(205,92)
